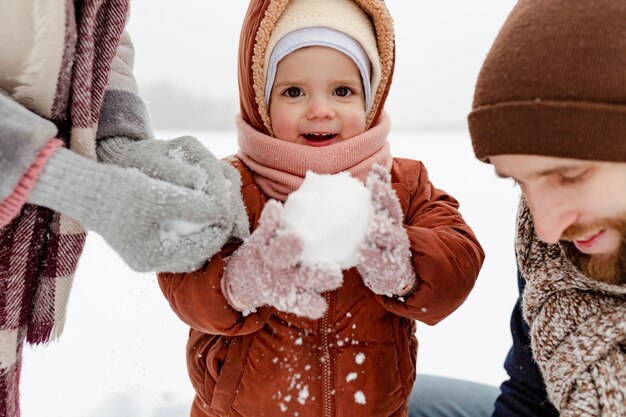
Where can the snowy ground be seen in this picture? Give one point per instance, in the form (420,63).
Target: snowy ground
(122,353)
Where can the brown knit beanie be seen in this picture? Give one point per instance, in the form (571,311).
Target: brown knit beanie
(554,83)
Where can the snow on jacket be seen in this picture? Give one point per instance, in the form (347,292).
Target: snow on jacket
(269,361)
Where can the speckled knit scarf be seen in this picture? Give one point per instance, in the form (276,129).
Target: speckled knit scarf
(279,167)
(577,329)
(39,249)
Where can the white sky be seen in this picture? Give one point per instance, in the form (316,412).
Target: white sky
(440,48)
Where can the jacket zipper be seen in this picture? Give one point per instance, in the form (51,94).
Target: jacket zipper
(326,361)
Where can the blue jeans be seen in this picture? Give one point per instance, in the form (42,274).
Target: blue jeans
(434,396)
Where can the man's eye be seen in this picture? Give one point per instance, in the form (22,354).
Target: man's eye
(343,91)
(293,92)
(572,177)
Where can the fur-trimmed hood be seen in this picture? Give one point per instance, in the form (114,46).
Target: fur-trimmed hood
(256,31)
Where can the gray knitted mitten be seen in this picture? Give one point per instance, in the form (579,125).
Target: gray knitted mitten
(154,225)
(183,161)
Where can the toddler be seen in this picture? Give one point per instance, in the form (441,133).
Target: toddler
(271,336)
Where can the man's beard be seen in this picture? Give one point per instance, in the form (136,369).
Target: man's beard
(607,268)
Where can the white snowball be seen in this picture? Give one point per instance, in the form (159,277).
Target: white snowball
(331,214)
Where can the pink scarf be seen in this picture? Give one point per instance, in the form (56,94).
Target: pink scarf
(279,166)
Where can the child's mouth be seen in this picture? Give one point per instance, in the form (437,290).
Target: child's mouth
(319,139)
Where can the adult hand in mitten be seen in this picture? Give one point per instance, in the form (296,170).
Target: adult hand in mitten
(266,270)
(385,256)
(185,162)
(152,224)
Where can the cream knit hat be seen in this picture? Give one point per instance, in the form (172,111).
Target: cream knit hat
(342,15)
(320,36)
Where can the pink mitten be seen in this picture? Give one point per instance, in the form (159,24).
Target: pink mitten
(385,256)
(265,271)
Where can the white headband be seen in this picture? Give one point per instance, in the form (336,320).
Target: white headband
(320,36)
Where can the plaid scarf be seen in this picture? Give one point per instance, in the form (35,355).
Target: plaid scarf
(577,329)
(39,249)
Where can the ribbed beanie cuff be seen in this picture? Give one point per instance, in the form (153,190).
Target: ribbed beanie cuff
(576,130)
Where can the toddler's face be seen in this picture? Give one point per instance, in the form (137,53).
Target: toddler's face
(317,98)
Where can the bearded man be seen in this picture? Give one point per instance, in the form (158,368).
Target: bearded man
(550,113)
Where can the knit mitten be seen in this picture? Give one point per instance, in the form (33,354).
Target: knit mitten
(185,162)
(265,271)
(385,256)
(152,224)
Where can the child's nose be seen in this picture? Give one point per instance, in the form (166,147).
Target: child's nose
(320,109)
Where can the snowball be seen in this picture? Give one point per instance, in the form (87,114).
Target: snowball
(360,358)
(330,213)
(351,376)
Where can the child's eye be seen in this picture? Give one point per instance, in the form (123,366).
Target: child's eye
(343,91)
(293,92)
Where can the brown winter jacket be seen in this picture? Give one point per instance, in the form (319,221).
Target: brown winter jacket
(272,363)
(270,360)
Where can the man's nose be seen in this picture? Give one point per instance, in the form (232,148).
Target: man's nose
(552,214)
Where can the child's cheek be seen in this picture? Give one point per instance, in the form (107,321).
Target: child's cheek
(355,125)
(284,126)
